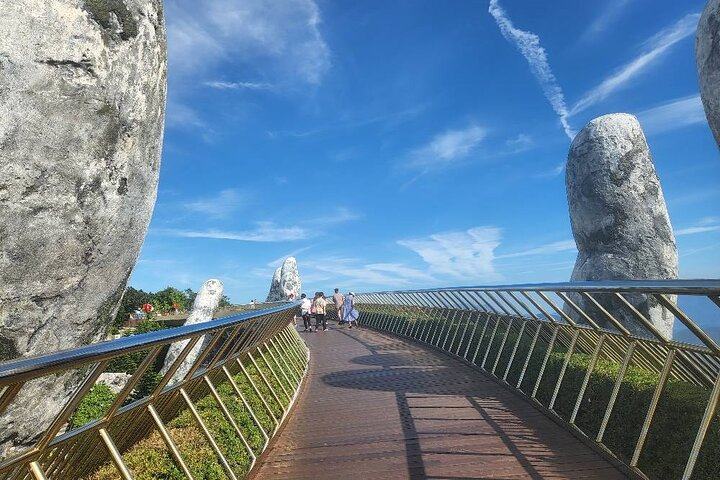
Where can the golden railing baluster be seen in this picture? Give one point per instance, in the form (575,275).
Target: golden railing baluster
(514,350)
(8,394)
(115,455)
(492,339)
(275,375)
(229,417)
(200,423)
(245,403)
(702,430)
(531,350)
(462,336)
(551,345)
(276,364)
(482,337)
(472,335)
(653,405)
(37,471)
(616,389)
(586,379)
(568,357)
(167,438)
(257,391)
(502,346)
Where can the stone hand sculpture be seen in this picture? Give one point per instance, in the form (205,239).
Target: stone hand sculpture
(203,309)
(82,103)
(285,282)
(707,56)
(618,217)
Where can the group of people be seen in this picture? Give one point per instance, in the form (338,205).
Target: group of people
(317,307)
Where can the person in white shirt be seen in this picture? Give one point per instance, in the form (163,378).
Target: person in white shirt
(305,305)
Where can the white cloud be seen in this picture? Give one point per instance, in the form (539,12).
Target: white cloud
(705,225)
(264,232)
(561,246)
(557,170)
(446,149)
(694,230)
(222,85)
(354,274)
(468,255)
(695,196)
(520,143)
(529,45)
(285,39)
(678,113)
(279,261)
(222,205)
(181,116)
(335,216)
(655,47)
(601,22)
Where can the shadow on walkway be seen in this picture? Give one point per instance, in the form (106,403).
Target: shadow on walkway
(376,405)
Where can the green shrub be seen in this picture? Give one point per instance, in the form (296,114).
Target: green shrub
(675,424)
(150,459)
(677,417)
(93,405)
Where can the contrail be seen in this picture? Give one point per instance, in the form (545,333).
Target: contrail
(529,45)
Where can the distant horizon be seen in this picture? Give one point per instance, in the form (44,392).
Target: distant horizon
(411,145)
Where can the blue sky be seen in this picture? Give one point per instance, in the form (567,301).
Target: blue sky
(412,143)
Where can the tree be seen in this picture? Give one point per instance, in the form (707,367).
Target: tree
(164,300)
(191,298)
(224,302)
(131,301)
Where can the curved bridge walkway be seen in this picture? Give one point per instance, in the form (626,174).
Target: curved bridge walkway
(376,406)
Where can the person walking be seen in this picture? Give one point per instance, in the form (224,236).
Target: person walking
(348,308)
(319,303)
(305,305)
(338,299)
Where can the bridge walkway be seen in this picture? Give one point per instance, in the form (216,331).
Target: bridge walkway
(376,406)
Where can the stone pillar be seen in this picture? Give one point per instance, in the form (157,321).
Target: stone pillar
(82,103)
(285,282)
(707,56)
(203,309)
(618,216)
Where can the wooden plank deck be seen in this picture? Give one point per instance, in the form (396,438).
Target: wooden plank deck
(377,407)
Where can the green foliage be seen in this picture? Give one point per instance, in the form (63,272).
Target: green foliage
(163,301)
(131,301)
(129,362)
(224,302)
(93,405)
(674,425)
(676,420)
(190,298)
(150,459)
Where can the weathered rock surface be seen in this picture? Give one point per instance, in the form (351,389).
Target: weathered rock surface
(618,216)
(82,101)
(115,380)
(203,309)
(707,56)
(285,282)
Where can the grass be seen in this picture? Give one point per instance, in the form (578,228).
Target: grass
(150,459)
(675,424)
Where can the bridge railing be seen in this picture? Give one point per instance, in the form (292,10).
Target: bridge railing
(597,357)
(225,396)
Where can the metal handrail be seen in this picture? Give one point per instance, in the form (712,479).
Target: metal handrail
(30,367)
(213,353)
(671,287)
(503,330)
